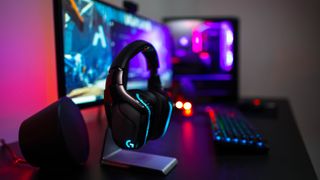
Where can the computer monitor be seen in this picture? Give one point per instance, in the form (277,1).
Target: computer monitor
(205,57)
(90,34)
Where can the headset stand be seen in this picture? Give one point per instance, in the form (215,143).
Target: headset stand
(117,157)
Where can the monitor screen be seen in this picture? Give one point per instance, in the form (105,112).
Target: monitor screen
(205,56)
(90,34)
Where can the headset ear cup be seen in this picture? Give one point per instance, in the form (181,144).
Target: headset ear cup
(164,112)
(151,102)
(132,108)
(127,125)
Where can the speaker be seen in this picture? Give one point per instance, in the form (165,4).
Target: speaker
(55,136)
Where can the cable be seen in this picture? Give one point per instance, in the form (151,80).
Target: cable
(13,155)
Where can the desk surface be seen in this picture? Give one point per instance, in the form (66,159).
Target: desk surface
(190,141)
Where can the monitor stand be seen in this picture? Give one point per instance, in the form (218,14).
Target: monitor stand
(117,157)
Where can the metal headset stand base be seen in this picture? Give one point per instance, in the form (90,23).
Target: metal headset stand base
(117,157)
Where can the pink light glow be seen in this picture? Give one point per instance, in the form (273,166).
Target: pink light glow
(27,65)
(205,58)
(204,55)
(196,41)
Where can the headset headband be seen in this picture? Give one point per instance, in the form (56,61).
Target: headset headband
(116,81)
(123,59)
(149,52)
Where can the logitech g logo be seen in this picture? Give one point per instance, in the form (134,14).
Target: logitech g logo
(129,144)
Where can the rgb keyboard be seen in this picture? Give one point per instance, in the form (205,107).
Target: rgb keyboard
(232,131)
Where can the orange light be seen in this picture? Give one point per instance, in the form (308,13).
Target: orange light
(187,105)
(179,104)
(187,112)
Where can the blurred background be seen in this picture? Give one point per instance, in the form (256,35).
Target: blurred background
(279,56)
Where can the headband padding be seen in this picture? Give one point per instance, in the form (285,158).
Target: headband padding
(149,52)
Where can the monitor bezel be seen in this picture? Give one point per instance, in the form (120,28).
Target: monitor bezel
(235,22)
(59,35)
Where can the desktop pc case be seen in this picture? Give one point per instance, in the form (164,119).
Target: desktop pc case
(205,58)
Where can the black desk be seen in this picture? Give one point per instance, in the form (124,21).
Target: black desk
(190,141)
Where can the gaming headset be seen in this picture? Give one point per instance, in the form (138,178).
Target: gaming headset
(136,116)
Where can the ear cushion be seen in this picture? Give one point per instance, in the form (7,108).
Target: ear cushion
(163,115)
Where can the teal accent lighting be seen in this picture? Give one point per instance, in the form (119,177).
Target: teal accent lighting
(129,144)
(168,119)
(149,115)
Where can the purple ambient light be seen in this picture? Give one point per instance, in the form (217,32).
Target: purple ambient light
(226,46)
(200,35)
(184,41)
